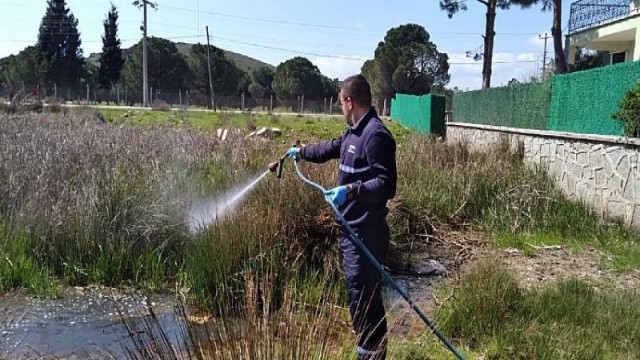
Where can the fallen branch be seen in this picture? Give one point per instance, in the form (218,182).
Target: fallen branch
(546,247)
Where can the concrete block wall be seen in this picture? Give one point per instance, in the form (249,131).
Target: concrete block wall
(602,171)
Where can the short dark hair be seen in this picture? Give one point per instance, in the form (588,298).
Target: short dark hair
(357,88)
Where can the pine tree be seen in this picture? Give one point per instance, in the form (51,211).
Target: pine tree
(454,6)
(59,43)
(111,60)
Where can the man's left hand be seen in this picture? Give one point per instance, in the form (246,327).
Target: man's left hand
(337,195)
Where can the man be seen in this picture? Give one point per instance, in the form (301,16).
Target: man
(367,180)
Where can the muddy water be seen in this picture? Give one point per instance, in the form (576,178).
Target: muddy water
(88,322)
(402,320)
(83,323)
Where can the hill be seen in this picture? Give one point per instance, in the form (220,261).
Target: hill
(246,63)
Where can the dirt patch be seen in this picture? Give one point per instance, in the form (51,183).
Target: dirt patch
(555,263)
(458,251)
(541,266)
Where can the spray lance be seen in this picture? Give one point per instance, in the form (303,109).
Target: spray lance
(277,167)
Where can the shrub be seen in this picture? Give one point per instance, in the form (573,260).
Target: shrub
(28,104)
(629,112)
(54,105)
(160,105)
(9,108)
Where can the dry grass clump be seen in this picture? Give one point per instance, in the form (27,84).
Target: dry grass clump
(53,169)
(104,203)
(292,325)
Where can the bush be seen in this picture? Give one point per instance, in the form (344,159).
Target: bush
(9,108)
(160,105)
(629,112)
(25,105)
(54,105)
(566,320)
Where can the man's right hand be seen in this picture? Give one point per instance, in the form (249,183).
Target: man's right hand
(294,152)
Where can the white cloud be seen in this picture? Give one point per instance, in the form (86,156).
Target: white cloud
(538,42)
(12,47)
(339,67)
(467,73)
(528,57)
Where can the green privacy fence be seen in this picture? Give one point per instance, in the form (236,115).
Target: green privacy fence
(520,106)
(424,114)
(581,102)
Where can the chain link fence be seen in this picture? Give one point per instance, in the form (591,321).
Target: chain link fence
(89,95)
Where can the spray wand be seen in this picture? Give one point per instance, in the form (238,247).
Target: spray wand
(277,166)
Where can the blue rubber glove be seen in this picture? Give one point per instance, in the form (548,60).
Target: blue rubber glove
(294,152)
(337,195)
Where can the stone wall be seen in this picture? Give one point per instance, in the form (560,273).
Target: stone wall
(602,171)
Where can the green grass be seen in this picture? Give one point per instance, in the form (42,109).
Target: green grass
(86,201)
(305,128)
(567,320)
(18,267)
(495,193)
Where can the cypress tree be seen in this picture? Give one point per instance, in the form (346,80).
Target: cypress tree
(59,43)
(111,59)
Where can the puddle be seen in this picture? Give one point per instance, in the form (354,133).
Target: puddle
(84,323)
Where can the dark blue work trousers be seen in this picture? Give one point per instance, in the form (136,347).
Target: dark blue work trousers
(364,283)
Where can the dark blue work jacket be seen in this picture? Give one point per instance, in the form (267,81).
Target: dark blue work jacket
(367,153)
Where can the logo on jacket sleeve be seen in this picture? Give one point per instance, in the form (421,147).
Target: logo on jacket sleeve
(352,149)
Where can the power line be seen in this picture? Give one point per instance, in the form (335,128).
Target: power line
(355,58)
(285,50)
(323,26)
(288,50)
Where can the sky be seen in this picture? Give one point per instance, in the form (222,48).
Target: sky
(337,36)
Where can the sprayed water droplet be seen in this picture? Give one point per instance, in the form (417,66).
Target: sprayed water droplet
(205,212)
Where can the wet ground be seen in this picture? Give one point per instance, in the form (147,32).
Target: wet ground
(88,322)
(83,323)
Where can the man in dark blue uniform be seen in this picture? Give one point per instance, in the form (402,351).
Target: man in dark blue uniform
(367,180)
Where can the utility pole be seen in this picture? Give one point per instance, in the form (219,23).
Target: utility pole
(544,57)
(145,74)
(213,105)
(145,78)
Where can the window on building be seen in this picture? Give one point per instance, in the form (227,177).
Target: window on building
(618,57)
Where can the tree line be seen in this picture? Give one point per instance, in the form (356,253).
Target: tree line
(406,61)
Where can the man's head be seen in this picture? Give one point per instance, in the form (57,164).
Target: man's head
(355,98)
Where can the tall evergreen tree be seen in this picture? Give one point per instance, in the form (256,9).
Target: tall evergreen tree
(406,62)
(295,77)
(556,30)
(225,74)
(111,60)
(59,43)
(168,69)
(454,6)
(25,69)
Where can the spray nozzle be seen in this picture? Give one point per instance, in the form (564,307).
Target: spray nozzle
(277,166)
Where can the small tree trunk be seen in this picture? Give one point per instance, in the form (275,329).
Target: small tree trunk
(556,31)
(489,36)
